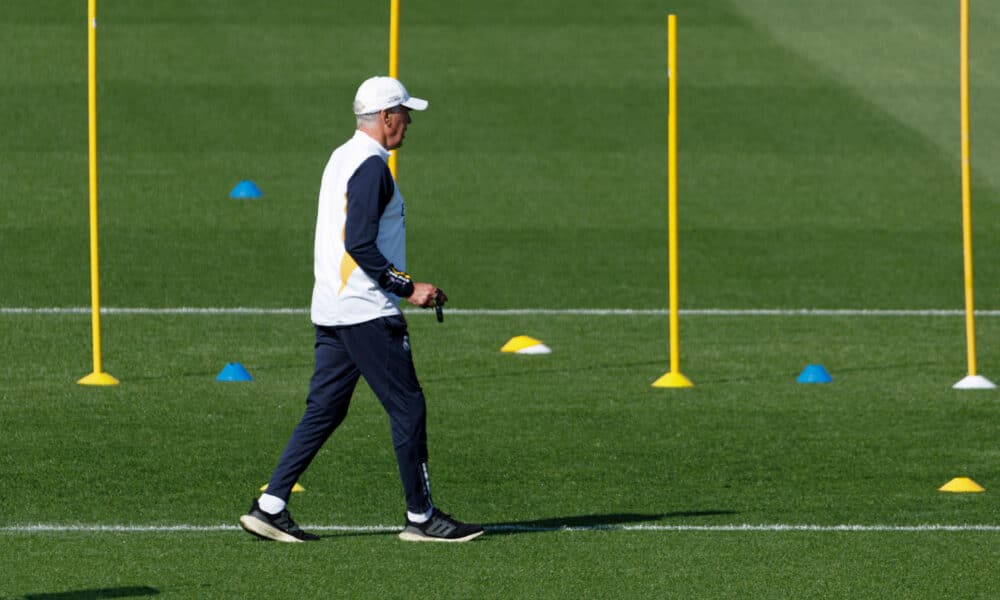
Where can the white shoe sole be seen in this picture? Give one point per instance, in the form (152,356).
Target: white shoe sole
(417,537)
(262,529)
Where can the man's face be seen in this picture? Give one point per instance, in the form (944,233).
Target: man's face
(395,121)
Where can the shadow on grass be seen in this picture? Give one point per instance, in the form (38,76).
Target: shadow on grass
(96,594)
(836,371)
(655,368)
(518,373)
(339,535)
(211,374)
(607,522)
(590,522)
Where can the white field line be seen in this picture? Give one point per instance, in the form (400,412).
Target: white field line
(724,312)
(777,527)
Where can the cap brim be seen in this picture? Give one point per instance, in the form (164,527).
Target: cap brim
(415,104)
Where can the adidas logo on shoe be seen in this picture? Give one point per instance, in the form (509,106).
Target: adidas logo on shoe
(440,528)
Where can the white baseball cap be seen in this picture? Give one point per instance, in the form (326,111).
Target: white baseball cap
(380,93)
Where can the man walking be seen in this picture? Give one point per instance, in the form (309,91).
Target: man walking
(360,271)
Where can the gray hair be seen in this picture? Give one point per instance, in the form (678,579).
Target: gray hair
(367,119)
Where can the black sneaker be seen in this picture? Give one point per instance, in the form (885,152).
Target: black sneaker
(440,528)
(279,527)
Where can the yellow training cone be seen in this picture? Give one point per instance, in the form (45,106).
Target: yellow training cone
(961,484)
(523,344)
(295,488)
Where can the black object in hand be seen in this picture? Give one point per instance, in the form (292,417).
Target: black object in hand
(439,307)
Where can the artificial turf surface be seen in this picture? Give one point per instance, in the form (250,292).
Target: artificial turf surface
(819,170)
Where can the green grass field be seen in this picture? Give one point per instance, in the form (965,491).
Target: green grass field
(819,164)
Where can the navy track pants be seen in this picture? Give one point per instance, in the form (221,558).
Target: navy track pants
(378,350)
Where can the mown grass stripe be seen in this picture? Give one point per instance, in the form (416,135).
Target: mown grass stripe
(772,527)
(723,312)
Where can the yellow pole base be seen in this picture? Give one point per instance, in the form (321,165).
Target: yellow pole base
(673,380)
(98,378)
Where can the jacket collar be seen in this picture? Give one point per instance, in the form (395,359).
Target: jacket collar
(370,143)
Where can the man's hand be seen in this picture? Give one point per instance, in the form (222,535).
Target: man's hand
(425,295)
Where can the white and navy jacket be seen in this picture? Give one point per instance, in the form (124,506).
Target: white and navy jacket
(360,251)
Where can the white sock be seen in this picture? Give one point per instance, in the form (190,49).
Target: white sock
(420,518)
(272,505)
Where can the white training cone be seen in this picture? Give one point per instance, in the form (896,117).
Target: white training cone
(974,382)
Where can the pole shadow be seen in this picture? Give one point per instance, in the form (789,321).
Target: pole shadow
(591,522)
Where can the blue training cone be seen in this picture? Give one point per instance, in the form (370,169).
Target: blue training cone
(814,374)
(245,189)
(233,372)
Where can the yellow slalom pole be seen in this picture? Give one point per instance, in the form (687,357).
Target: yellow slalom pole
(972,380)
(673,379)
(393,61)
(98,377)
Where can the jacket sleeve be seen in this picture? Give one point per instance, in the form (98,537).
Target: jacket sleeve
(369,191)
